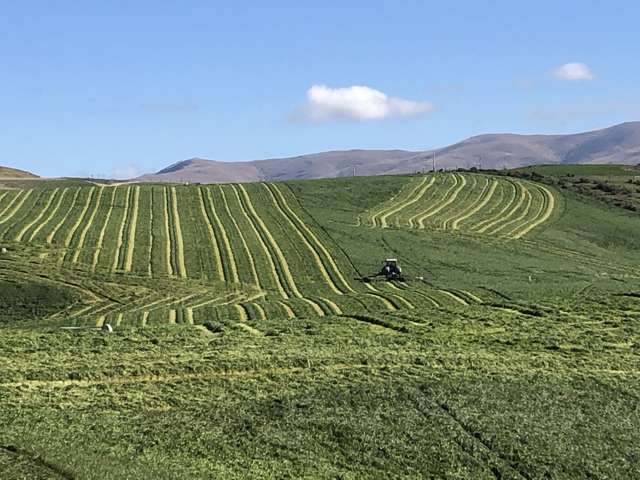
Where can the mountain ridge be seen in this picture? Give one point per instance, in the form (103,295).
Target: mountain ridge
(617,144)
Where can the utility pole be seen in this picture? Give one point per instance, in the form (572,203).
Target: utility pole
(434,161)
(354,170)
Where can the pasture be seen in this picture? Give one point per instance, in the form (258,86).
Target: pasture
(245,344)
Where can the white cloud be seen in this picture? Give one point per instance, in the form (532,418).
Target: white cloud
(125,172)
(573,71)
(325,104)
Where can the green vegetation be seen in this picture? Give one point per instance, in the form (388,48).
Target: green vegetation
(616,185)
(245,345)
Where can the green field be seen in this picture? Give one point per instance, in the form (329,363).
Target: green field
(246,346)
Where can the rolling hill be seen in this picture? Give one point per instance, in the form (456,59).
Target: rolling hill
(619,144)
(14,173)
(246,345)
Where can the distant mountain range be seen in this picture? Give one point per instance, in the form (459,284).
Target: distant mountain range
(618,144)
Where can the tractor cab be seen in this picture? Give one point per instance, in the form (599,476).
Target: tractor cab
(391,270)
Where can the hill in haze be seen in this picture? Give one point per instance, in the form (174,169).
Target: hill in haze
(619,144)
(8,172)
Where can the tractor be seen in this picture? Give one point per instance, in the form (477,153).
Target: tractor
(391,271)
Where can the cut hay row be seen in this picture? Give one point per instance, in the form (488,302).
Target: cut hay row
(131,241)
(37,218)
(414,197)
(63,218)
(272,265)
(414,219)
(389,305)
(83,233)
(479,204)
(245,247)
(151,239)
(318,262)
(508,210)
(53,213)
(462,204)
(83,212)
(182,270)
(454,297)
(455,189)
(103,231)
(230,259)
(15,199)
(524,202)
(287,309)
(212,237)
(319,245)
(391,203)
(167,232)
(545,213)
(15,206)
(120,235)
(523,219)
(242,312)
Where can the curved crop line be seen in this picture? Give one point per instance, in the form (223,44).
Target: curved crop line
(317,241)
(4,194)
(53,232)
(223,232)
(123,224)
(454,297)
(336,309)
(145,318)
(103,231)
(242,312)
(84,231)
(21,202)
(261,313)
(85,209)
(525,212)
(263,245)
(497,218)
(182,270)
(528,219)
(385,301)
(412,198)
(463,202)
(51,215)
(448,202)
(479,206)
(495,205)
(276,248)
(547,213)
(131,241)
(245,246)
(15,199)
(287,309)
(318,261)
(443,182)
(37,218)
(390,203)
(212,237)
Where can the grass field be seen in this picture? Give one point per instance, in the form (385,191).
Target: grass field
(245,345)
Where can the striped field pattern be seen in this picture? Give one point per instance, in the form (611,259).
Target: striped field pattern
(148,254)
(482,204)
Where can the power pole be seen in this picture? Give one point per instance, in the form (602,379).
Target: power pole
(354,171)
(434,161)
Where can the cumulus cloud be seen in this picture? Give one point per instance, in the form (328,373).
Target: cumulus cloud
(573,71)
(325,104)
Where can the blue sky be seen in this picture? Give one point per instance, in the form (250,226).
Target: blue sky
(122,87)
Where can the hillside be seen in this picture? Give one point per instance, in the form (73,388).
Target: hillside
(14,173)
(619,144)
(246,345)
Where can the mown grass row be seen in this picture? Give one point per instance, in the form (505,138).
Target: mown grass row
(496,206)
